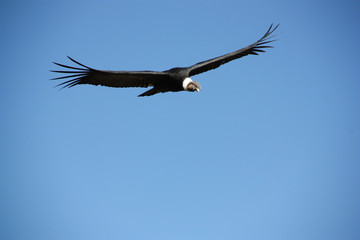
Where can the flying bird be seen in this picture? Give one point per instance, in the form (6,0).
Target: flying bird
(172,80)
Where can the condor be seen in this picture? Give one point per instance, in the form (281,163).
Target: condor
(172,80)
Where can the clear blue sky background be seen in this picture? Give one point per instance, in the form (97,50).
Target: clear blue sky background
(269,149)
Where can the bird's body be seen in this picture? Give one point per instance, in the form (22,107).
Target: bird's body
(172,80)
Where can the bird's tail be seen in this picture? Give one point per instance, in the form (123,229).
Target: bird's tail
(149,92)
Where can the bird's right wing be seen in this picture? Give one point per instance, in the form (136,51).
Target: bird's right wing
(252,49)
(121,79)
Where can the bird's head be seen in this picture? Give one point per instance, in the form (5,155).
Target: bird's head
(191,86)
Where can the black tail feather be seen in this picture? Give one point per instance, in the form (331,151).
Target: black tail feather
(149,92)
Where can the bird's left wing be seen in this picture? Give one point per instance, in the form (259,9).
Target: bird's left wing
(253,49)
(121,79)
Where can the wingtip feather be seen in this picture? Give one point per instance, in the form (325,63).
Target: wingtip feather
(65,66)
(79,63)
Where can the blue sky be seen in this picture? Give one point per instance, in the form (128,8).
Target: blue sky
(269,148)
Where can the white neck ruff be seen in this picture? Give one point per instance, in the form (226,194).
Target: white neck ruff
(186,82)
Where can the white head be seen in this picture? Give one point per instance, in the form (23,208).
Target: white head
(190,85)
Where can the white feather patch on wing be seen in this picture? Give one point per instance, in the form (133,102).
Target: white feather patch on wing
(186,82)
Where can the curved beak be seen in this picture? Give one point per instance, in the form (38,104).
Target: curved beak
(198,90)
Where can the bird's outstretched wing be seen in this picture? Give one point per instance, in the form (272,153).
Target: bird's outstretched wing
(218,61)
(87,75)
